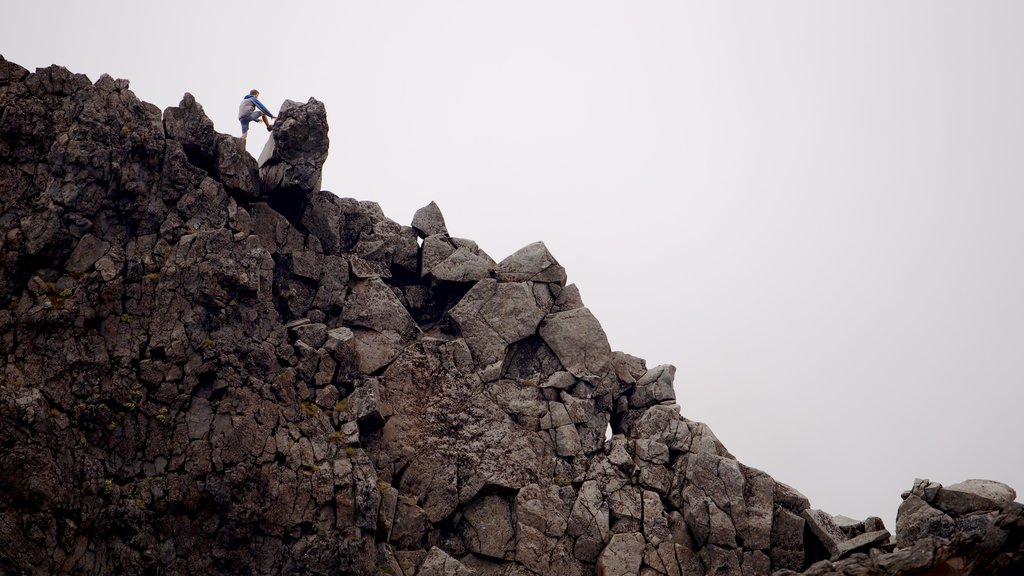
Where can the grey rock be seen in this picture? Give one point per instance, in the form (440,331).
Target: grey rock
(531,263)
(86,253)
(567,440)
(188,124)
(462,265)
(488,528)
(288,385)
(578,340)
(825,529)
(916,519)
(973,496)
(429,221)
(654,387)
(861,543)
(438,563)
(492,316)
(589,522)
(623,555)
(291,164)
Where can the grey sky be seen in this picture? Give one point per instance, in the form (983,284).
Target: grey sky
(814,209)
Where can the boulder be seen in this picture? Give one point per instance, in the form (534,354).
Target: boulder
(429,221)
(531,263)
(972,496)
(578,340)
(291,164)
(623,555)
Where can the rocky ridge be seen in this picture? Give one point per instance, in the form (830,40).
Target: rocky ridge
(210,365)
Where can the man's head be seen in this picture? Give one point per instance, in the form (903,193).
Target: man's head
(254,93)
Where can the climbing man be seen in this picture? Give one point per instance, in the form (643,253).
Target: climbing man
(252,109)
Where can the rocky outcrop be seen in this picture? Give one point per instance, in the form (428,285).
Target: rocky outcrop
(210,365)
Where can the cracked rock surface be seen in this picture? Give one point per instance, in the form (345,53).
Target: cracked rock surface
(210,365)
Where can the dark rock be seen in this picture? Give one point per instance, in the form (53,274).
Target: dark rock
(291,165)
(429,221)
(213,369)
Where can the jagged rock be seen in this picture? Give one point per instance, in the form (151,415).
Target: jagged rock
(623,555)
(291,164)
(429,221)
(188,124)
(488,528)
(531,263)
(863,542)
(493,315)
(825,529)
(973,496)
(204,375)
(654,387)
(578,340)
(589,522)
(916,519)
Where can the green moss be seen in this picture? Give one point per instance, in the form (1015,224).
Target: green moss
(108,486)
(126,318)
(65,293)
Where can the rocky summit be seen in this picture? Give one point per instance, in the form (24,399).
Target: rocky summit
(209,365)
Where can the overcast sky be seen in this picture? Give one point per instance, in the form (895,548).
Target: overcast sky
(814,209)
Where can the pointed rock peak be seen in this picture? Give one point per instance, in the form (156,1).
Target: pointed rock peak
(11,72)
(531,262)
(291,165)
(429,221)
(188,124)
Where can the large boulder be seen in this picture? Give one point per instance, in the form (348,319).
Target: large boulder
(291,164)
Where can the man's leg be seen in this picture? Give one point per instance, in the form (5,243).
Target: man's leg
(266,120)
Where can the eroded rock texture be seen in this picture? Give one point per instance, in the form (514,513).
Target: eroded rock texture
(212,366)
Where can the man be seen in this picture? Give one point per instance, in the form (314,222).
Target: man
(252,109)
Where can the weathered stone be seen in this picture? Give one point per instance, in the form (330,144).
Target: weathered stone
(86,253)
(199,375)
(429,221)
(531,263)
(973,496)
(787,540)
(861,543)
(916,519)
(492,316)
(291,163)
(437,563)
(589,522)
(462,266)
(654,387)
(623,555)
(578,340)
(824,529)
(567,441)
(488,528)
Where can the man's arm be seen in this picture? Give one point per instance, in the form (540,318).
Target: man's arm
(262,107)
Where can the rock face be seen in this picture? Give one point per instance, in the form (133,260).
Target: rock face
(210,365)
